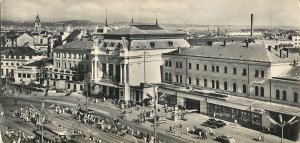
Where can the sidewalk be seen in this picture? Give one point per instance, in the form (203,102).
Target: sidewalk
(241,134)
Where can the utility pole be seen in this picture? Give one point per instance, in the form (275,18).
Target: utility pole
(42,112)
(145,66)
(282,123)
(1,116)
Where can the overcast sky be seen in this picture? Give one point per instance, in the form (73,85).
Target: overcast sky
(236,12)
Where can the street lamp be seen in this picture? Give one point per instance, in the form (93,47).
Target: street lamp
(1,116)
(282,123)
(87,92)
(42,112)
(155,125)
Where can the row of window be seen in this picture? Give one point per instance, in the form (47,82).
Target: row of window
(284,97)
(15,57)
(20,75)
(70,55)
(74,86)
(257,93)
(216,69)
(12,64)
(214,83)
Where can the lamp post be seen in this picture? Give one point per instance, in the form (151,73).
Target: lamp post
(1,116)
(155,125)
(282,123)
(42,112)
(87,92)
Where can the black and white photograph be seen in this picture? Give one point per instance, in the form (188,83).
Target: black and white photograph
(150,71)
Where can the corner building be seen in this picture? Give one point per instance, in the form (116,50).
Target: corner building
(128,58)
(233,80)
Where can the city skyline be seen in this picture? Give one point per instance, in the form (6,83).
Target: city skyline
(204,12)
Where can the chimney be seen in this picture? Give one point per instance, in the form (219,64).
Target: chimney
(224,44)
(270,48)
(251,25)
(179,50)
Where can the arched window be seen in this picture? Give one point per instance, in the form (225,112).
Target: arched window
(234,87)
(244,88)
(180,77)
(205,83)
(197,81)
(295,97)
(166,76)
(177,79)
(277,94)
(217,84)
(170,76)
(190,80)
(225,85)
(284,95)
(212,84)
(262,91)
(256,90)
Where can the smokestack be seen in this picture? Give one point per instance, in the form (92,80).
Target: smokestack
(218,32)
(251,25)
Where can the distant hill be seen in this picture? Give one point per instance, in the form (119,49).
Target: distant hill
(76,23)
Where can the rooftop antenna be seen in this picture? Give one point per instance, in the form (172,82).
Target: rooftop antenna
(156,17)
(132,18)
(106,18)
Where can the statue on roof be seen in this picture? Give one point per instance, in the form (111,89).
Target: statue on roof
(125,43)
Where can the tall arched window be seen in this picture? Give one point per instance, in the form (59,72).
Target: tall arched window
(205,83)
(217,84)
(190,80)
(234,87)
(295,97)
(244,88)
(177,79)
(166,76)
(225,85)
(180,78)
(170,76)
(256,90)
(197,81)
(277,94)
(284,95)
(262,91)
(212,84)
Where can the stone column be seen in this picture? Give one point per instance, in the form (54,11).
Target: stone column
(121,73)
(107,69)
(114,72)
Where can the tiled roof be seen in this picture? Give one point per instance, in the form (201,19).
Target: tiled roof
(239,51)
(74,34)
(140,29)
(81,45)
(41,62)
(158,44)
(292,74)
(19,51)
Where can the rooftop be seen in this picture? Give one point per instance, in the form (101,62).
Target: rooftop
(41,62)
(140,30)
(238,51)
(19,51)
(291,74)
(79,45)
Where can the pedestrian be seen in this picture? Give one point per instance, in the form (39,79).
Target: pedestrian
(235,122)
(200,136)
(187,130)
(170,128)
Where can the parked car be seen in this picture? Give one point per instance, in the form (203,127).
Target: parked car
(205,124)
(220,123)
(225,139)
(196,132)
